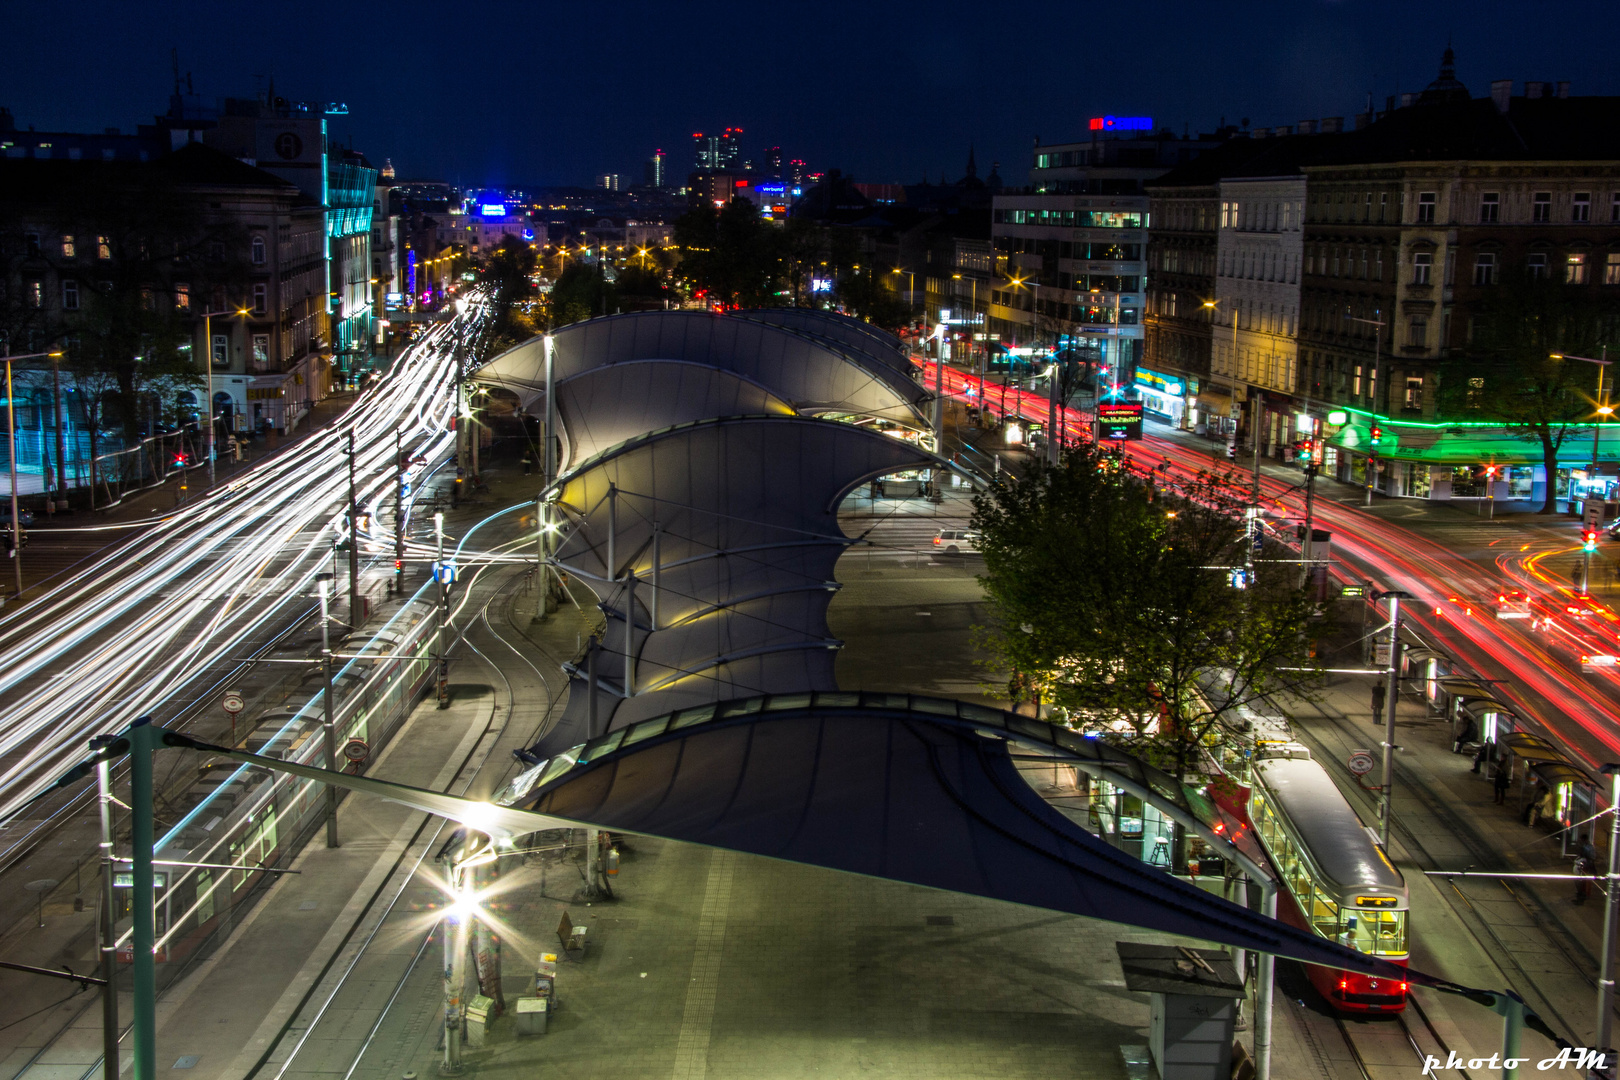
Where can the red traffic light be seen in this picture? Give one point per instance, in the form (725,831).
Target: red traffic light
(1376,434)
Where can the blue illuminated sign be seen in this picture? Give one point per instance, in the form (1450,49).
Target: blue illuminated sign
(492,209)
(770,189)
(1122,123)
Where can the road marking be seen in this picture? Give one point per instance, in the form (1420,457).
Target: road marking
(692,1045)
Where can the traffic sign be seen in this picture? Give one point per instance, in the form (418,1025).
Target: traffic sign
(356,750)
(231,702)
(1361,762)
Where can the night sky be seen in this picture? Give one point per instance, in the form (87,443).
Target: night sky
(524,93)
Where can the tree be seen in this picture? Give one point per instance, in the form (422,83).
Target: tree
(641,288)
(581,292)
(510,266)
(1509,373)
(1112,596)
(865,296)
(732,253)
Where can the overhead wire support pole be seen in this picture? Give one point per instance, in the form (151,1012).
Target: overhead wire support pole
(323,584)
(354,543)
(108,943)
(399,515)
(1391,697)
(144,929)
(1611,919)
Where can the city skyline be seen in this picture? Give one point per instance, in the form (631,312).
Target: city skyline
(533,123)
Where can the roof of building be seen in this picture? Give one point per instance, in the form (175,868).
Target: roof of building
(193,165)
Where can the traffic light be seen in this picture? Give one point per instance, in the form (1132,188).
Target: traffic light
(1376,435)
(1589,538)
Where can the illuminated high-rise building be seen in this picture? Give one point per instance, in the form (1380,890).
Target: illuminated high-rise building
(653,174)
(773,161)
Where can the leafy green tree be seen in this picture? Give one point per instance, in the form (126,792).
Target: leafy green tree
(641,287)
(1512,372)
(1111,597)
(581,292)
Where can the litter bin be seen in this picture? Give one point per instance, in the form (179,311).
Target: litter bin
(532,1013)
(1193,996)
(478,1011)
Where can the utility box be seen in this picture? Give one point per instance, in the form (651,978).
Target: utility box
(1193,995)
(478,1011)
(532,1014)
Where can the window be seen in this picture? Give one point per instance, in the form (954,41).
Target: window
(103,247)
(1451,267)
(34,294)
(1541,207)
(1575,269)
(1611,269)
(1580,207)
(1414,391)
(1417,331)
(1490,208)
(32,241)
(1383,205)
(261,294)
(1485,268)
(261,348)
(1422,263)
(1537,265)
(1426,205)
(70,296)
(69,248)
(221,350)
(1355,382)
(1614,206)
(182,296)
(258,251)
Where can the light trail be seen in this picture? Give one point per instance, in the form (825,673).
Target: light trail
(129,634)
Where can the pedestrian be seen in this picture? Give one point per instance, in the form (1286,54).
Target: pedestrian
(1465,736)
(528,463)
(1503,778)
(1480,756)
(1379,690)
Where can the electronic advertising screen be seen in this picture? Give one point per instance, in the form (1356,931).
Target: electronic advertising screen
(1118,421)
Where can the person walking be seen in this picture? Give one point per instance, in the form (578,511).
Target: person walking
(528,463)
(1585,867)
(1503,778)
(1378,692)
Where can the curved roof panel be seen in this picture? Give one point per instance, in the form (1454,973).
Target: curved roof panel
(601,407)
(850,332)
(910,789)
(742,512)
(814,374)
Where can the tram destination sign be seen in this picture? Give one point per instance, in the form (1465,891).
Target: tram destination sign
(1119,421)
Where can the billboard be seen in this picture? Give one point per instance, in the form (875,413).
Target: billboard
(1118,421)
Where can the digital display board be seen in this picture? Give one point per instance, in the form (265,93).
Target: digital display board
(1122,123)
(1118,421)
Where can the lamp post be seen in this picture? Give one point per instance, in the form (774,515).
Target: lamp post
(441,575)
(208,374)
(11,434)
(1231,378)
(1602,361)
(323,585)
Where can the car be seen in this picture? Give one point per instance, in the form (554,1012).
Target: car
(1513,604)
(957,541)
(25,516)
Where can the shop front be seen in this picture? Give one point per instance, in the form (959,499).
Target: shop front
(1166,397)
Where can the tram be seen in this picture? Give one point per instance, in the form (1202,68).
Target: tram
(1336,880)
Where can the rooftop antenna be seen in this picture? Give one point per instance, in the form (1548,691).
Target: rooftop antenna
(174,62)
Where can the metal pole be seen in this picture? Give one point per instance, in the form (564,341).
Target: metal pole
(399,516)
(541,521)
(613,532)
(354,543)
(657,575)
(1512,1010)
(1306,544)
(591,687)
(16,523)
(939,404)
(443,606)
(630,632)
(451,929)
(1266,965)
(109,944)
(208,409)
(1611,917)
(1391,696)
(1051,415)
(323,584)
(141,744)
(56,421)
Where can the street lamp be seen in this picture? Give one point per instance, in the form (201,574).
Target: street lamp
(11,434)
(323,585)
(1603,409)
(208,373)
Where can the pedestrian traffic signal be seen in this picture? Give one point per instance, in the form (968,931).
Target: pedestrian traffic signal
(1589,539)
(1376,435)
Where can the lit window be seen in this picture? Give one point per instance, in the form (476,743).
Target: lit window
(258,251)
(221,350)
(1575,269)
(1414,392)
(70,296)
(1485,268)
(1580,208)
(69,248)
(1611,269)
(1422,264)
(182,296)
(34,294)
(1490,208)
(103,247)
(1541,206)
(261,348)
(1426,205)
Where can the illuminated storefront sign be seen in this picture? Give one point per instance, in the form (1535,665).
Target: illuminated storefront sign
(1164,384)
(1118,421)
(1122,123)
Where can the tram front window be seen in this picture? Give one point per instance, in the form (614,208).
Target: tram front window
(1381,933)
